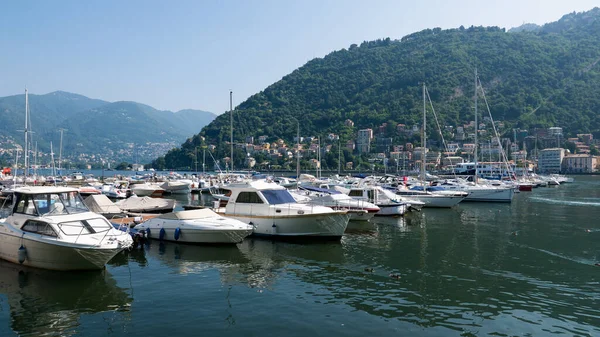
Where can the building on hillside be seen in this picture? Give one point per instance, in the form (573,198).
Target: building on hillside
(363,141)
(349,123)
(579,163)
(586,138)
(452,160)
(550,160)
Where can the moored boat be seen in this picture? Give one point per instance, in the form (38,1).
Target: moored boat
(196,226)
(51,228)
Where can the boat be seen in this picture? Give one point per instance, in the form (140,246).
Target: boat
(101,204)
(274,212)
(195,226)
(359,210)
(147,190)
(51,228)
(388,203)
(135,204)
(117,190)
(177,187)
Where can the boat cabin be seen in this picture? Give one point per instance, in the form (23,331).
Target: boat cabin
(48,201)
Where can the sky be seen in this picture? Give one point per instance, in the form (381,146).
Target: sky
(181,54)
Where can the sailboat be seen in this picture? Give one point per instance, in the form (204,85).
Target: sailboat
(479,192)
(430,199)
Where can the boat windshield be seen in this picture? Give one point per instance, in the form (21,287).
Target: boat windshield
(275,197)
(51,204)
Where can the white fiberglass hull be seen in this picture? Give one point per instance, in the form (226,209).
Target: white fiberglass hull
(319,225)
(437,201)
(197,231)
(391,209)
(360,215)
(48,253)
(490,194)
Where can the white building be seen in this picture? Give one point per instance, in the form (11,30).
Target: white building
(550,160)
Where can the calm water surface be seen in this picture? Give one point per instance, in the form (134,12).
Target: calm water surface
(479,269)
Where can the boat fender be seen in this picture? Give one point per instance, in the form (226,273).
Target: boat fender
(148,232)
(22,254)
(177,233)
(161,234)
(274,228)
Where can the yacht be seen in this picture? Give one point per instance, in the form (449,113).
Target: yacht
(51,228)
(274,212)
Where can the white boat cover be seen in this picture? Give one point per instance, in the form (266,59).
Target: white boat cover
(146,204)
(191,214)
(99,203)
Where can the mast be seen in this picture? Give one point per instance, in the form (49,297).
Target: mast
(339,156)
(60,150)
(476,126)
(423,135)
(231,125)
(26,148)
(297,152)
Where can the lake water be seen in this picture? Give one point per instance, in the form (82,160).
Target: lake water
(525,268)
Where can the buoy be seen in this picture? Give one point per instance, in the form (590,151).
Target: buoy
(161,235)
(177,233)
(22,254)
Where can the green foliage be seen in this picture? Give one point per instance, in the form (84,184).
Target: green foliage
(532,78)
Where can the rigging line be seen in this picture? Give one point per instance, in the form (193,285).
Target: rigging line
(504,157)
(438,124)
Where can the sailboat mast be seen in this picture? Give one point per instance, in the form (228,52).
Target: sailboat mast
(231,125)
(423,137)
(298,151)
(476,127)
(26,148)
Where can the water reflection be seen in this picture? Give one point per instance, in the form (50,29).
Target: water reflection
(52,303)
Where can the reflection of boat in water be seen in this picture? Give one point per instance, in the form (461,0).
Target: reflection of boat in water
(192,258)
(49,303)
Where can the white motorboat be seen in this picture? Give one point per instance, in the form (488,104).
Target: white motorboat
(478,192)
(432,199)
(388,203)
(195,226)
(177,187)
(147,190)
(274,212)
(117,190)
(359,210)
(51,228)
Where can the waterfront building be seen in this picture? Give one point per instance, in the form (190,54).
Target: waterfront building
(579,163)
(550,160)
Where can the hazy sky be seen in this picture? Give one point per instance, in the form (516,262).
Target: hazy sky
(180,54)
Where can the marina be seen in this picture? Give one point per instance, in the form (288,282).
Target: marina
(522,268)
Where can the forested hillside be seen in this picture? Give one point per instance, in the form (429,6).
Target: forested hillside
(533,78)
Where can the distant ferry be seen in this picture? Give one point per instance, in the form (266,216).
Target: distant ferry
(489,170)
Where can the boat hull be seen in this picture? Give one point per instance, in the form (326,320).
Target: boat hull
(321,225)
(48,255)
(491,195)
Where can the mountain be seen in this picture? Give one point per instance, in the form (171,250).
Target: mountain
(113,131)
(532,79)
